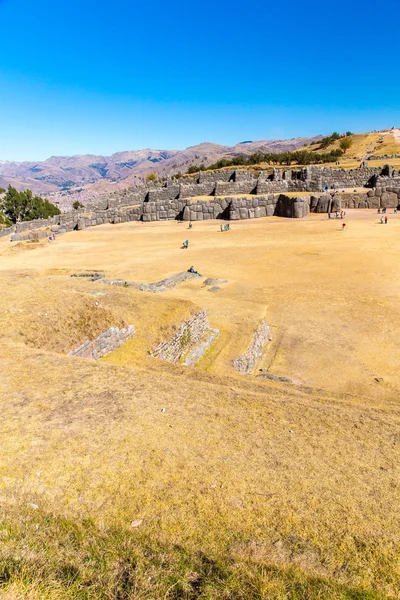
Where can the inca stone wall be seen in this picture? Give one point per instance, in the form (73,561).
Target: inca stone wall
(4,231)
(104,344)
(233,195)
(189,333)
(199,350)
(247,362)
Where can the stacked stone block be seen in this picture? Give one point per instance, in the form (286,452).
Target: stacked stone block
(247,362)
(189,333)
(105,343)
(267,198)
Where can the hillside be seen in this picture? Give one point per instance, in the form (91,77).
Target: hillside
(59,174)
(131,477)
(88,175)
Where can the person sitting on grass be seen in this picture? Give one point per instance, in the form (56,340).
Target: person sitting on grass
(192,270)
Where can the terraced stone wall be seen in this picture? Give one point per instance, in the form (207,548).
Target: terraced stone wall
(105,343)
(189,333)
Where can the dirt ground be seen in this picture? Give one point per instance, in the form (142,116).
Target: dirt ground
(329,295)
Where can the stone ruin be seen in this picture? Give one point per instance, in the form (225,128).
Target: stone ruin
(228,195)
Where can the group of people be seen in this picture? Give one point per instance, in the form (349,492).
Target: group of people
(226,227)
(338,215)
(384,210)
(384,220)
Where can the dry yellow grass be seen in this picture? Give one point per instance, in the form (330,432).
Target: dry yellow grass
(244,488)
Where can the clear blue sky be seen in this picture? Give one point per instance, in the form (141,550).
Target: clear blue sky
(90,76)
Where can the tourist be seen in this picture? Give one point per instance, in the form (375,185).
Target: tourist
(379,211)
(395,210)
(185,244)
(190,225)
(385,219)
(329,215)
(192,270)
(382,220)
(221,227)
(343,226)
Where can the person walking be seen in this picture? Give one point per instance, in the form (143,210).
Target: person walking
(385,219)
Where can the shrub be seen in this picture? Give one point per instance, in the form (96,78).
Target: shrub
(345,143)
(151,177)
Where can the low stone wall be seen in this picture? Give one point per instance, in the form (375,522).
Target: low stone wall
(6,231)
(199,350)
(104,344)
(247,362)
(189,333)
(157,286)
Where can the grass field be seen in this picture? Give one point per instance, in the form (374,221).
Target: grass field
(241,488)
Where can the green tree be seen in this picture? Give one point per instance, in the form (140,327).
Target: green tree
(77,205)
(24,206)
(345,143)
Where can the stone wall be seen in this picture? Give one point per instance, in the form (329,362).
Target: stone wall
(261,196)
(4,231)
(247,362)
(189,333)
(104,344)
(252,207)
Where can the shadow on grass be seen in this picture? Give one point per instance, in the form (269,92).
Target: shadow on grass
(59,558)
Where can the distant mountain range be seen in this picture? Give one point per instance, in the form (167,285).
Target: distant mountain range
(92,173)
(65,178)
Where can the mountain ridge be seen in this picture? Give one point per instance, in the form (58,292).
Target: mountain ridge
(58,175)
(63,178)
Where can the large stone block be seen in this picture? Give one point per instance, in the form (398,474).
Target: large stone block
(389,200)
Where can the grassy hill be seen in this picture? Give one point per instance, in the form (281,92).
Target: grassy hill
(134,478)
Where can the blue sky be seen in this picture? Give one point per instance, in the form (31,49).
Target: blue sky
(88,76)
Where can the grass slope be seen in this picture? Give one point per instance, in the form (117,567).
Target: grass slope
(241,488)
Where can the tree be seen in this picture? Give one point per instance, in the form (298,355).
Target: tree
(345,143)
(77,205)
(23,206)
(151,177)
(2,191)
